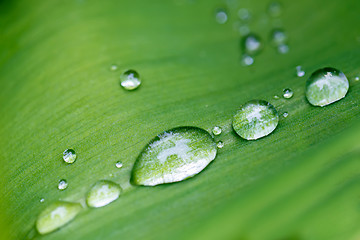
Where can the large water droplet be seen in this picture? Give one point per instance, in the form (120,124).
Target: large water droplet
(102,193)
(325,86)
(251,44)
(62,184)
(221,16)
(173,156)
(56,215)
(216,130)
(299,71)
(69,156)
(288,93)
(130,80)
(255,119)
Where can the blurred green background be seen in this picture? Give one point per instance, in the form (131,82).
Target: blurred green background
(57,92)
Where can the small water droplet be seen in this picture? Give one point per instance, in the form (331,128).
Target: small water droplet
(102,193)
(56,215)
(276,97)
(356,78)
(118,164)
(130,80)
(244,14)
(113,67)
(69,156)
(283,48)
(244,30)
(325,86)
(62,184)
(42,200)
(278,37)
(221,16)
(275,9)
(299,71)
(220,144)
(251,44)
(255,119)
(217,130)
(247,60)
(173,156)
(288,93)
(285,114)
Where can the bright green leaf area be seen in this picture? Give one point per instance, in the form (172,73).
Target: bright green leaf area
(58,92)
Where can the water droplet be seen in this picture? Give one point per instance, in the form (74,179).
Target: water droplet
(285,114)
(244,30)
(288,93)
(276,97)
(118,164)
(255,119)
(69,156)
(130,80)
(299,71)
(102,193)
(278,37)
(244,14)
(217,130)
(275,9)
(173,156)
(251,44)
(283,48)
(42,200)
(356,78)
(221,16)
(56,215)
(325,86)
(113,67)
(247,60)
(220,144)
(62,184)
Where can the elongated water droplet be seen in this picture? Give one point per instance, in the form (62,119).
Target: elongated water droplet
(217,130)
(220,144)
(288,93)
(62,184)
(221,16)
(325,86)
(113,67)
(285,114)
(69,156)
(102,193)
(130,80)
(56,215)
(173,156)
(255,119)
(251,44)
(118,164)
(299,71)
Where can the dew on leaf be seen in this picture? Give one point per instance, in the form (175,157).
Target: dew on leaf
(102,193)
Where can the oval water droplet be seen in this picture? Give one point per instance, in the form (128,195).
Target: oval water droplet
(299,71)
(62,184)
(325,86)
(276,97)
(118,164)
(69,156)
(247,60)
(216,130)
(251,44)
(102,193)
(255,119)
(220,144)
(130,80)
(56,215)
(221,16)
(288,93)
(173,156)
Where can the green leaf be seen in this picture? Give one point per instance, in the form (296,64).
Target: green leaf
(57,92)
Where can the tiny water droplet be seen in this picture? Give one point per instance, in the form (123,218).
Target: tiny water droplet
(278,37)
(244,14)
(62,184)
(288,93)
(276,97)
(118,164)
(113,67)
(217,130)
(42,200)
(220,144)
(102,193)
(130,80)
(69,156)
(325,86)
(299,71)
(56,215)
(247,60)
(244,30)
(356,78)
(285,114)
(251,44)
(255,119)
(221,16)
(275,9)
(173,156)
(283,48)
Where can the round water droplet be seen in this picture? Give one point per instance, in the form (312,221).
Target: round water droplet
(62,184)
(247,60)
(325,86)
(220,144)
(118,164)
(285,114)
(113,67)
(56,215)
(130,80)
(69,156)
(278,36)
(251,44)
(275,9)
(102,193)
(217,130)
(299,71)
(283,48)
(173,156)
(356,78)
(221,16)
(255,119)
(244,14)
(288,93)
(42,200)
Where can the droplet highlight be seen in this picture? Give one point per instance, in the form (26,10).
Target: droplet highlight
(62,185)
(325,86)
(255,119)
(102,193)
(174,156)
(69,156)
(216,130)
(288,93)
(130,80)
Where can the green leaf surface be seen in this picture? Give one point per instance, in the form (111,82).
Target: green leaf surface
(57,92)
